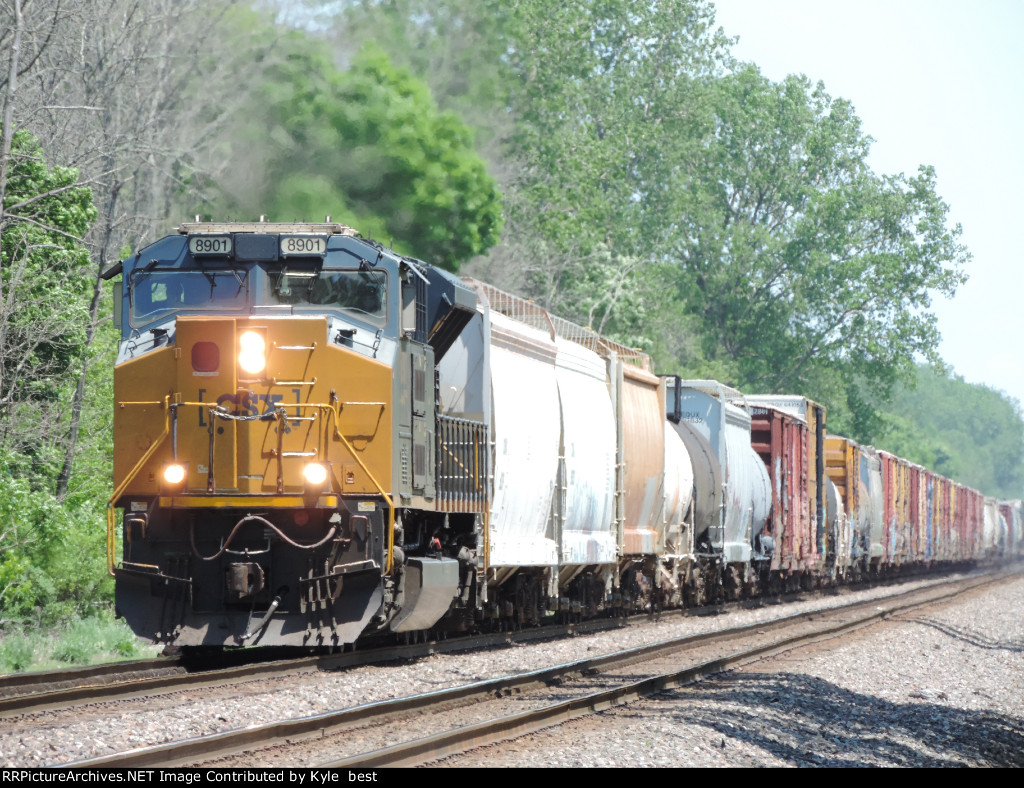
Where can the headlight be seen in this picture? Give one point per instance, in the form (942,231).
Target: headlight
(174,474)
(252,356)
(315,473)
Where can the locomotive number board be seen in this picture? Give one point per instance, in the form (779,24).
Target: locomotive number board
(304,245)
(209,245)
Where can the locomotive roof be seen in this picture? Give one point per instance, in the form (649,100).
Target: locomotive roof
(312,228)
(262,228)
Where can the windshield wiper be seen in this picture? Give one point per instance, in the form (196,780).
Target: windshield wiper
(211,277)
(313,277)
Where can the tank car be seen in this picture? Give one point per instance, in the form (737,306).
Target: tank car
(732,486)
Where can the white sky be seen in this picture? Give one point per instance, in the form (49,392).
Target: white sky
(937,82)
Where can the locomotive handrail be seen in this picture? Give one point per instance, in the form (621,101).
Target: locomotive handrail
(169,408)
(387,498)
(119,490)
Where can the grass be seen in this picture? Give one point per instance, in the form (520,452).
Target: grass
(85,641)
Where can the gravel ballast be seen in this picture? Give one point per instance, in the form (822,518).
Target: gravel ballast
(944,687)
(941,687)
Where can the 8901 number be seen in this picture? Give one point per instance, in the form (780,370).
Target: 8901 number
(210,244)
(309,244)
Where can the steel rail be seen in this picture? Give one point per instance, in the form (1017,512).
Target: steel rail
(107,682)
(44,679)
(460,740)
(431,748)
(85,693)
(70,687)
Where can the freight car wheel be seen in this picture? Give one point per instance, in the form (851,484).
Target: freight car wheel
(715,592)
(752,588)
(732,584)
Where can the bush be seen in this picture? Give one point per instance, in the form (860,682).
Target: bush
(53,557)
(96,638)
(18,652)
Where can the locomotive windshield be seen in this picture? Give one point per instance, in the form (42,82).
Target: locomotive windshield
(362,293)
(155,292)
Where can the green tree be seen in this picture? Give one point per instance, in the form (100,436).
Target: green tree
(610,100)
(647,147)
(664,193)
(965,431)
(458,47)
(44,281)
(44,288)
(802,261)
(580,103)
(658,188)
(369,146)
(52,554)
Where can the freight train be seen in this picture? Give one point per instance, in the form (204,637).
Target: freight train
(318,441)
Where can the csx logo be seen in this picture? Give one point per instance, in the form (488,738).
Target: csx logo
(246,403)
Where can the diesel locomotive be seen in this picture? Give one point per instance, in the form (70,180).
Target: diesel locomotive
(319,440)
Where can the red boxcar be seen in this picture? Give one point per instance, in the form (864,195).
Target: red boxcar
(789,449)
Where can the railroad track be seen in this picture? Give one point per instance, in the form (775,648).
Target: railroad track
(486,712)
(120,681)
(45,685)
(64,689)
(21,693)
(25,684)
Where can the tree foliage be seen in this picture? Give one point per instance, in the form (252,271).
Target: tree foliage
(802,262)
(44,280)
(45,276)
(965,431)
(608,102)
(457,47)
(51,568)
(669,195)
(369,146)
